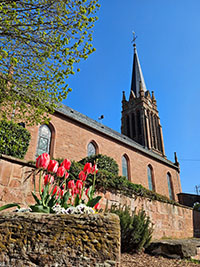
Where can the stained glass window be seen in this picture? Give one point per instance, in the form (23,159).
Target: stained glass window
(124,167)
(44,140)
(91,149)
(169,182)
(150,178)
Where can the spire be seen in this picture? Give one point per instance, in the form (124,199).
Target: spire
(137,75)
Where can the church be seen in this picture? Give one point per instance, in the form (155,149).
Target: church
(138,149)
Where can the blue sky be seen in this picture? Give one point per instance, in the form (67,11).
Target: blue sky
(168,46)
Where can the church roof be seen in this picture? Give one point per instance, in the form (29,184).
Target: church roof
(137,75)
(86,121)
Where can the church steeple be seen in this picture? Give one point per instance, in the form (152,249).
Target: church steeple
(140,119)
(137,76)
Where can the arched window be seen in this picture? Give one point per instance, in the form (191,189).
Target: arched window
(150,178)
(128,126)
(91,149)
(44,140)
(125,166)
(170,186)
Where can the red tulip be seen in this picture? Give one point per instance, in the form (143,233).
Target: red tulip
(55,190)
(46,179)
(86,192)
(79,184)
(66,175)
(62,193)
(71,184)
(74,191)
(82,176)
(60,171)
(94,169)
(66,164)
(97,206)
(53,166)
(87,168)
(43,161)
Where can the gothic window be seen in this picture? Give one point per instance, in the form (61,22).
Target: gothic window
(44,140)
(170,186)
(128,125)
(139,123)
(133,125)
(150,178)
(125,166)
(91,149)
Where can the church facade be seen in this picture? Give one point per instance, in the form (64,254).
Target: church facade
(138,150)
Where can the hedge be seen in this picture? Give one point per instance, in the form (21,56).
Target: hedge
(14,139)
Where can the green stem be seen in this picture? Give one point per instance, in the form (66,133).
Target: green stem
(40,183)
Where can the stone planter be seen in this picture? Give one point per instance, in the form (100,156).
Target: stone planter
(35,239)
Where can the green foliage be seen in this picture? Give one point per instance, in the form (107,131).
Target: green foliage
(136,229)
(103,163)
(14,139)
(120,184)
(7,206)
(41,43)
(196,206)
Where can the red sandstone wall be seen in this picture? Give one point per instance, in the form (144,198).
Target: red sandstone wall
(71,140)
(169,220)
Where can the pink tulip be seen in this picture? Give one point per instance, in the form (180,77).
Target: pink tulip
(61,193)
(97,206)
(87,168)
(79,184)
(94,169)
(75,191)
(60,171)
(51,179)
(43,161)
(53,166)
(71,184)
(66,175)
(82,176)
(66,164)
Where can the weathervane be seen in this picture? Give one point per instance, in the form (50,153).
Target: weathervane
(134,38)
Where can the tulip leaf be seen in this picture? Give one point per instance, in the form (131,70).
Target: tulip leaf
(40,209)
(91,203)
(7,206)
(77,200)
(39,202)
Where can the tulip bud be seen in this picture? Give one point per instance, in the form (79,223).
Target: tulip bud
(79,184)
(60,171)
(82,176)
(53,166)
(43,161)
(71,184)
(87,168)
(66,164)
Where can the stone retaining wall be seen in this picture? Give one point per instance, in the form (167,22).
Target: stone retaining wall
(169,220)
(35,239)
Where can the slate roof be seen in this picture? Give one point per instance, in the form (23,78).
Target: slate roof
(78,117)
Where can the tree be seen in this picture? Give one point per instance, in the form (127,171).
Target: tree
(41,42)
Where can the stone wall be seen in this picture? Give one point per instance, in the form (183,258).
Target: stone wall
(169,220)
(30,239)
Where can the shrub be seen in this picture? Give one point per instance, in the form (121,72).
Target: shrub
(14,139)
(136,229)
(103,162)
